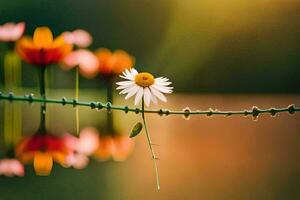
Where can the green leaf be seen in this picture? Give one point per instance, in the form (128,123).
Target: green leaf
(136,130)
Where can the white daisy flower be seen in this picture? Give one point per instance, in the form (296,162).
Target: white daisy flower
(144,85)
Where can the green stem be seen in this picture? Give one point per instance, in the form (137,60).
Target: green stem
(42,127)
(42,81)
(8,107)
(110,98)
(76,97)
(154,157)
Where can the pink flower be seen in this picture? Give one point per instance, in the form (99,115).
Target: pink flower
(88,141)
(78,161)
(79,37)
(86,144)
(11,167)
(70,141)
(82,147)
(11,32)
(85,60)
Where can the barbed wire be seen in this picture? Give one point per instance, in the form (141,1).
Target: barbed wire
(186,112)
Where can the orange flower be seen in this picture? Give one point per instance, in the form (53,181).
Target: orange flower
(114,63)
(42,49)
(42,150)
(104,150)
(117,147)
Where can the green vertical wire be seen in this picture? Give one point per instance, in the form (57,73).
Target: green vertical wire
(77,97)
(154,158)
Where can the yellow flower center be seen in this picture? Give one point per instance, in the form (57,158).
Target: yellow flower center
(144,79)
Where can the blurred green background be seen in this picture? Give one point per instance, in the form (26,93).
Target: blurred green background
(202,46)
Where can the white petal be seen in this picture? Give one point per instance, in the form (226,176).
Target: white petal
(162,89)
(124,83)
(139,96)
(153,98)
(121,87)
(134,72)
(132,91)
(147,96)
(126,77)
(130,76)
(162,81)
(158,94)
(127,89)
(127,72)
(124,74)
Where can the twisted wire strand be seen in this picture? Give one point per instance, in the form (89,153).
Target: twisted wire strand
(186,112)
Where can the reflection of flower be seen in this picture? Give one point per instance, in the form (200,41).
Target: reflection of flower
(42,150)
(11,32)
(78,161)
(82,147)
(79,37)
(117,147)
(113,63)
(144,85)
(85,60)
(88,141)
(11,167)
(42,49)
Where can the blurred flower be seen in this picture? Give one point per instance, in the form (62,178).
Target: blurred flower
(42,49)
(82,147)
(42,150)
(10,32)
(117,147)
(144,85)
(79,37)
(87,142)
(11,167)
(78,161)
(85,60)
(114,63)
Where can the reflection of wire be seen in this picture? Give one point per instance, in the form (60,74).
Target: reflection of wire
(255,111)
